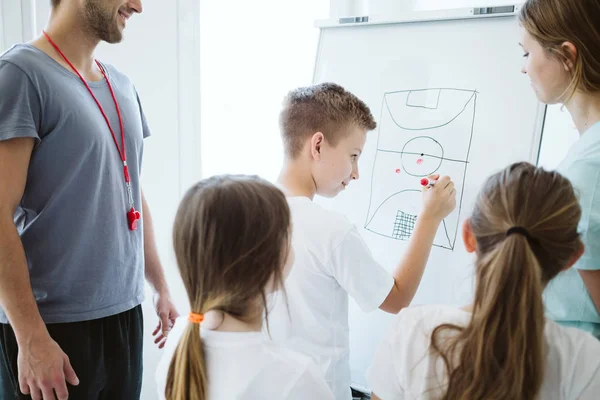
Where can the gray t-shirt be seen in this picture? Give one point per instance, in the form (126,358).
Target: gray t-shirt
(83,260)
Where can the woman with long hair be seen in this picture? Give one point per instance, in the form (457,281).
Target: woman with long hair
(561,42)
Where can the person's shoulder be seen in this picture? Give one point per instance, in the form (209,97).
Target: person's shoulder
(582,169)
(433,312)
(592,138)
(570,340)
(306,205)
(575,354)
(586,152)
(315,218)
(423,319)
(409,339)
(23,57)
(19,54)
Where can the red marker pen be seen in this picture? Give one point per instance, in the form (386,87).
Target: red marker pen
(428,182)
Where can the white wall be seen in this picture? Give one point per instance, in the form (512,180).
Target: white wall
(160,53)
(246,70)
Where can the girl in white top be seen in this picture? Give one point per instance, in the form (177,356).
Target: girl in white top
(524,232)
(232,244)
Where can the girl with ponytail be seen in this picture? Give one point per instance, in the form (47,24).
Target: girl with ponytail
(232,245)
(523,231)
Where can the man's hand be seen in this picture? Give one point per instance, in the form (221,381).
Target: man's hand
(43,369)
(167,315)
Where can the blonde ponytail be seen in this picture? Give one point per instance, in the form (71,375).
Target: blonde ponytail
(502,349)
(231,238)
(187,378)
(525,227)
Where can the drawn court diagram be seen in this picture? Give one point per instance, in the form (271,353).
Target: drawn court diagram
(421,132)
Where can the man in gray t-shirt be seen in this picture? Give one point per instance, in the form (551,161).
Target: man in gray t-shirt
(75,232)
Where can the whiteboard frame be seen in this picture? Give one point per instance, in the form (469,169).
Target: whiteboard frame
(419,16)
(436,16)
(539,125)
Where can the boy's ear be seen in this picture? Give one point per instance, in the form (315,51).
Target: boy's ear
(468,237)
(316,144)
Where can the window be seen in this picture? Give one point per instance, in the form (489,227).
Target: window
(252,54)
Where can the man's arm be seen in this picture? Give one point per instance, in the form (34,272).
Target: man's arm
(42,366)
(16,295)
(155,276)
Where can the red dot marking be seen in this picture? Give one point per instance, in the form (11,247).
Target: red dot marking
(397,170)
(420,161)
(424,182)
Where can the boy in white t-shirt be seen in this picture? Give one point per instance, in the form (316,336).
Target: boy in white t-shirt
(324,129)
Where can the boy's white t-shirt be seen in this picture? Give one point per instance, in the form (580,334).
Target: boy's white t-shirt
(405,368)
(331,262)
(246,366)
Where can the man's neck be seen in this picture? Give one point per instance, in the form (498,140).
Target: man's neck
(297,180)
(585,110)
(74,42)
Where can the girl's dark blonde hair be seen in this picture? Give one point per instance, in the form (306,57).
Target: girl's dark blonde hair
(231,239)
(553,22)
(500,354)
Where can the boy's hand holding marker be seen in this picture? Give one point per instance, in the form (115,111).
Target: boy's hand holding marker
(439,197)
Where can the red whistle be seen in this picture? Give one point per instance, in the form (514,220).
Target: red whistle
(132,217)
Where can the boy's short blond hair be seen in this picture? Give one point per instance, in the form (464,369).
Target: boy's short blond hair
(327,108)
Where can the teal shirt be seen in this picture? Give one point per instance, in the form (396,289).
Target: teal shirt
(566,297)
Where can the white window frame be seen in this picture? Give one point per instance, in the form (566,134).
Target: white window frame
(17,21)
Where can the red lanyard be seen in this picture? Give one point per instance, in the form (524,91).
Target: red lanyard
(132,215)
